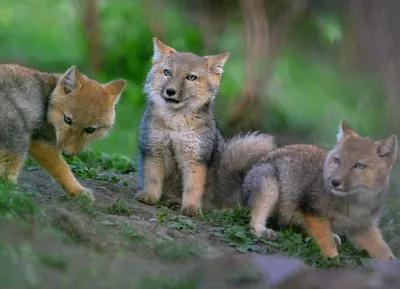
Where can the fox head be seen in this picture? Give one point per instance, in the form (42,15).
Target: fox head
(82,110)
(183,80)
(359,165)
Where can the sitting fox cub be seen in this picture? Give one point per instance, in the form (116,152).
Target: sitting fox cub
(48,113)
(180,145)
(339,191)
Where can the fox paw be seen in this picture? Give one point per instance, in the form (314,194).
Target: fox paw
(83,191)
(146,198)
(264,233)
(191,210)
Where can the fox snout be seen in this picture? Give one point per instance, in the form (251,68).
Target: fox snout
(171,96)
(336,183)
(68,154)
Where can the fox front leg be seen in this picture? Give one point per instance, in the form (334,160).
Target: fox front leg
(194,178)
(47,156)
(153,172)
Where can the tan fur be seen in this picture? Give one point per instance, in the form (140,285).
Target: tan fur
(153,175)
(51,113)
(11,165)
(48,157)
(325,192)
(178,132)
(194,176)
(371,240)
(319,229)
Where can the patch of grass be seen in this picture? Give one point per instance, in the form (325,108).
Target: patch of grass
(168,283)
(120,208)
(173,221)
(131,234)
(54,261)
(80,169)
(84,204)
(232,228)
(14,203)
(173,250)
(120,163)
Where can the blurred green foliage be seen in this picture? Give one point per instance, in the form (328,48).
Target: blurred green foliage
(307,95)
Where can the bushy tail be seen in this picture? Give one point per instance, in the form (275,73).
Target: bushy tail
(243,150)
(237,156)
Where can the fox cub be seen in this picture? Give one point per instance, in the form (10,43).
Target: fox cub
(339,191)
(47,113)
(182,153)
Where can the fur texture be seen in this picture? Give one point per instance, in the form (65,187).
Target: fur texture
(48,113)
(339,191)
(182,154)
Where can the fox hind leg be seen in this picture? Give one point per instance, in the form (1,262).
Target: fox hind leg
(261,191)
(10,165)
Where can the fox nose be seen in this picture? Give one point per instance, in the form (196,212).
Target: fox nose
(335,183)
(67,154)
(170,92)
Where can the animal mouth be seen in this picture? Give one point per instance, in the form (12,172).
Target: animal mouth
(171,100)
(338,192)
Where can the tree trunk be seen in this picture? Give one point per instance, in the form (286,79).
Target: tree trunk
(263,40)
(92,29)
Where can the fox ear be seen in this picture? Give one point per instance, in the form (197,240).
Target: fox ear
(114,89)
(216,62)
(388,147)
(161,49)
(71,79)
(344,131)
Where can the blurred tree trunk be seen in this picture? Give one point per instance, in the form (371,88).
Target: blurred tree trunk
(91,25)
(263,39)
(378,30)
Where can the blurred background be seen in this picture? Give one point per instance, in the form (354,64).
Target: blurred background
(297,67)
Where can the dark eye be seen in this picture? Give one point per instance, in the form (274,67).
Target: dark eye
(191,77)
(359,166)
(167,72)
(337,161)
(89,129)
(67,120)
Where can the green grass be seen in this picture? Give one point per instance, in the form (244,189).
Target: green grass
(14,203)
(231,226)
(120,208)
(84,204)
(174,250)
(168,283)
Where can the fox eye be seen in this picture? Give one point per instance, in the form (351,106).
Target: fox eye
(337,161)
(359,166)
(67,120)
(191,77)
(89,129)
(167,72)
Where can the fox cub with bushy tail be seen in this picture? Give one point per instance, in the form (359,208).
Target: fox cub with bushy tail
(47,113)
(182,154)
(338,191)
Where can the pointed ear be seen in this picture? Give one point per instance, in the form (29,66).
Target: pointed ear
(114,89)
(388,147)
(216,62)
(71,79)
(161,49)
(344,131)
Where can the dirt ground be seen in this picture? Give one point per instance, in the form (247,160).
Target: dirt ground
(120,243)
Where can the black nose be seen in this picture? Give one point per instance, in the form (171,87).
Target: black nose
(335,183)
(170,92)
(67,154)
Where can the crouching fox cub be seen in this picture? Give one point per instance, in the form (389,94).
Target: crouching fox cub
(339,191)
(180,146)
(47,113)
